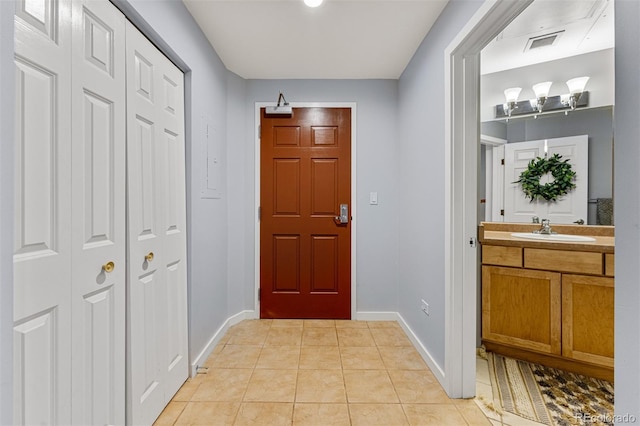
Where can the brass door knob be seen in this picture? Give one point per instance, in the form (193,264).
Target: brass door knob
(149,257)
(108,267)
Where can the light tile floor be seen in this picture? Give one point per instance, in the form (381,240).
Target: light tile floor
(317,372)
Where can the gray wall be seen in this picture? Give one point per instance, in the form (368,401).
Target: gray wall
(599,65)
(241,285)
(376,170)
(627,208)
(421,189)
(597,123)
(170,24)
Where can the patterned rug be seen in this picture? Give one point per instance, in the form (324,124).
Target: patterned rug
(550,396)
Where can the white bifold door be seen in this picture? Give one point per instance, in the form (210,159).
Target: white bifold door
(70,243)
(90,315)
(157,292)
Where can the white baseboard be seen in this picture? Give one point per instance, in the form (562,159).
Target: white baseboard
(437,371)
(376,316)
(215,339)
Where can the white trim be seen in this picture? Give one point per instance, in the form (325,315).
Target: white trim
(217,336)
(461,60)
(492,141)
(495,183)
(435,368)
(376,316)
(353,106)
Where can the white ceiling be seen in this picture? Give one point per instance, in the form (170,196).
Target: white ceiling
(341,39)
(365,39)
(586,25)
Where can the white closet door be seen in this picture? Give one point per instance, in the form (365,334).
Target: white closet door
(157,293)
(42,244)
(98,213)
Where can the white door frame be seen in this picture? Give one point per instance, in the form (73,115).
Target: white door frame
(256,220)
(462,131)
(494,148)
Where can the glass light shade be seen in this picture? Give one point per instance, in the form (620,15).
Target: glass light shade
(576,85)
(542,89)
(313,3)
(511,94)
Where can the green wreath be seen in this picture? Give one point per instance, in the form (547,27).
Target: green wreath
(562,174)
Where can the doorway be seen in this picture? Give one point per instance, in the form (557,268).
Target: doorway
(462,75)
(305,266)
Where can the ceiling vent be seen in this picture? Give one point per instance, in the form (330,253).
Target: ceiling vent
(543,40)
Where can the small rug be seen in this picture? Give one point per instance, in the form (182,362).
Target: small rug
(550,396)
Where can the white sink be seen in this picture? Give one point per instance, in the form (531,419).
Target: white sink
(551,237)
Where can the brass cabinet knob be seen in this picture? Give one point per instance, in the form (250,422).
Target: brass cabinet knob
(108,267)
(149,257)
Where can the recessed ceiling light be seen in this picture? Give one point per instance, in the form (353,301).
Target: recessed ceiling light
(313,3)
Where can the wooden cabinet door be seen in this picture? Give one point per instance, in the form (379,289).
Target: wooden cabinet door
(587,319)
(521,308)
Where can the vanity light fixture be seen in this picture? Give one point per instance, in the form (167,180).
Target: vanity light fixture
(577,97)
(511,95)
(576,88)
(542,91)
(313,3)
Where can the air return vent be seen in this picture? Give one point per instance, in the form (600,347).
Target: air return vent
(543,40)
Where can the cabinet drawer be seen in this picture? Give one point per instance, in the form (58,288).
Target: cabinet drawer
(563,261)
(609,265)
(502,256)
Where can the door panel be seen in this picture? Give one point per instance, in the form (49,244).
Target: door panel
(42,246)
(37,367)
(98,213)
(305,256)
(157,224)
(567,209)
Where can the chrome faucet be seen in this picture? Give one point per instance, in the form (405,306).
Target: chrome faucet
(545,228)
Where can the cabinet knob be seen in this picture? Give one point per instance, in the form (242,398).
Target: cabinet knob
(149,257)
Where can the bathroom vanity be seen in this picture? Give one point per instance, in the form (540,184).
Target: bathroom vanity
(550,300)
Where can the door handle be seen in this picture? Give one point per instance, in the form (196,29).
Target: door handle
(344,215)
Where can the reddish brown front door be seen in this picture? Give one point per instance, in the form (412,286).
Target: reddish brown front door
(305,255)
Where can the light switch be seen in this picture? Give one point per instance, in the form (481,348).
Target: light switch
(373,198)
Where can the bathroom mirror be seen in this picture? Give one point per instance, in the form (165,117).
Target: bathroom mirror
(597,123)
(512,62)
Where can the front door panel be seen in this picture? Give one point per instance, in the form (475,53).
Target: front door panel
(305,250)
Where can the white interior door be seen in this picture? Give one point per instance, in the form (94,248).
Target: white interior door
(569,208)
(157,229)
(98,213)
(42,244)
